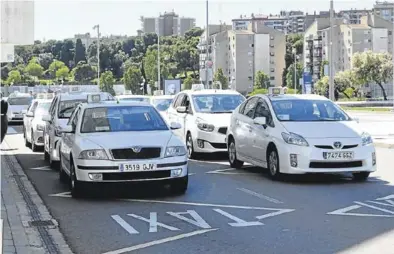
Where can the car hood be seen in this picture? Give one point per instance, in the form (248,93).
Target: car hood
(222,119)
(112,140)
(62,122)
(340,129)
(17,108)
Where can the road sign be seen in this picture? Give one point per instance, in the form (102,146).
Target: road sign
(307,83)
(209,64)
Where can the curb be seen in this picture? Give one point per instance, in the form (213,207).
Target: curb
(1,235)
(384,145)
(27,215)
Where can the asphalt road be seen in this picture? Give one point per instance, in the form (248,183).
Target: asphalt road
(223,211)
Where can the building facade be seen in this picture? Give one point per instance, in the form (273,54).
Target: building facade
(167,24)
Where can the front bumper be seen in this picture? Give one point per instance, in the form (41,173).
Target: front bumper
(38,138)
(209,142)
(302,160)
(108,170)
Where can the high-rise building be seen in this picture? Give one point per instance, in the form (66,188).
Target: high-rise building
(167,24)
(384,9)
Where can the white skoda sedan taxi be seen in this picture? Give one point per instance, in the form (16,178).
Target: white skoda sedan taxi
(121,142)
(298,134)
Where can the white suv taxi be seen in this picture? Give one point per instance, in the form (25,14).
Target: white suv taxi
(59,112)
(298,134)
(121,142)
(204,115)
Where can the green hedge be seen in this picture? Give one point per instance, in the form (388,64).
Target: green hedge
(265,91)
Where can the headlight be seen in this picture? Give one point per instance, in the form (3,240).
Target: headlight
(366,139)
(98,154)
(294,139)
(204,126)
(172,151)
(40,127)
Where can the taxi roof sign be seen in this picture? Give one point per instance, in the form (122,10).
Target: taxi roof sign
(44,96)
(94,98)
(198,87)
(276,90)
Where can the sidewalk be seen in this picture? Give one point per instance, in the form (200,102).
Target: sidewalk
(384,142)
(28,225)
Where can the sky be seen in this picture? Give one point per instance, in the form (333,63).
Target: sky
(59,19)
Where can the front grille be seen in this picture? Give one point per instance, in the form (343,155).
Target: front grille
(136,175)
(346,164)
(219,145)
(324,147)
(331,147)
(223,130)
(129,154)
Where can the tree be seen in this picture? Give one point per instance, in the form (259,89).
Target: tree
(54,67)
(66,52)
(83,72)
(261,80)
(14,77)
(45,59)
(344,80)
(80,52)
(133,79)
(63,73)
(373,67)
(188,82)
(219,76)
(321,86)
(290,76)
(34,68)
(107,82)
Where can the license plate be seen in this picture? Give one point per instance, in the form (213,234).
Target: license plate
(137,167)
(338,155)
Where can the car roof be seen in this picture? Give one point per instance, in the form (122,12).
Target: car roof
(162,97)
(210,91)
(293,97)
(132,96)
(114,104)
(77,95)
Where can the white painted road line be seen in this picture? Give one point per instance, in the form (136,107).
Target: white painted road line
(233,171)
(157,242)
(45,168)
(153,223)
(66,194)
(375,207)
(260,195)
(238,222)
(344,211)
(126,226)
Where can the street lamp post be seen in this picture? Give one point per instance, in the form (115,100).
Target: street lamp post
(158,56)
(207,47)
(295,70)
(331,64)
(98,53)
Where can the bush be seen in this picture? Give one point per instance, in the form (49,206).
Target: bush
(265,91)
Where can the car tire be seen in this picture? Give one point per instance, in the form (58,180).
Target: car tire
(361,176)
(232,155)
(273,163)
(179,186)
(33,145)
(63,177)
(27,144)
(75,185)
(46,155)
(191,154)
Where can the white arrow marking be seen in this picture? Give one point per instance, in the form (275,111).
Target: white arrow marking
(282,211)
(344,211)
(224,171)
(45,168)
(126,226)
(375,207)
(386,198)
(62,194)
(198,220)
(190,174)
(238,222)
(260,195)
(391,203)
(153,223)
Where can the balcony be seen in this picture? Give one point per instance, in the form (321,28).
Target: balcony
(318,45)
(317,38)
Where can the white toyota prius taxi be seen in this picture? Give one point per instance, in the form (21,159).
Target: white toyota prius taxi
(298,134)
(121,142)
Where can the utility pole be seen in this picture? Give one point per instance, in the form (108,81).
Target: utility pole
(331,57)
(98,53)
(295,70)
(207,47)
(158,54)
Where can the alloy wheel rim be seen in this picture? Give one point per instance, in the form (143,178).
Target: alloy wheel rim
(273,161)
(232,152)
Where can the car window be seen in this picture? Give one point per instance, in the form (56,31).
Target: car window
(178,100)
(308,110)
(33,107)
(19,101)
(242,107)
(262,110)
(250,106)
(42,108)
(217,103)
(186,103)
(162,104)
(122,119)
(66,108)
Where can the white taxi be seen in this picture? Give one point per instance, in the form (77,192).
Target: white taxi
(298,134)
(59,112)
(17,104)
(162,103)
(33,125)
(132,97)
(204,115)
(121,142)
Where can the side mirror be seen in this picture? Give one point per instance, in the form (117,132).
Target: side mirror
(181,109)
(260,121)
(30,114)
(66,129)
(46,118)
(175,126)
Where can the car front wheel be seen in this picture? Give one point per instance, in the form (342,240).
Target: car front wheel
(232,155)
(273,164)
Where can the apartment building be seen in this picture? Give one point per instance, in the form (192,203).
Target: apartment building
(353,16)
(279,23)
(384,9)
(86,39)
(167,24)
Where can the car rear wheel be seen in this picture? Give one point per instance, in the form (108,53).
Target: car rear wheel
(33,145)
(361,176)
(179,186)
(232,155)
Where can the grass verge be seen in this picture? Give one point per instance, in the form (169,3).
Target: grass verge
(377,109)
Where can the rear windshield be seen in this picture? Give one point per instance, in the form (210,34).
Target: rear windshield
(20,101)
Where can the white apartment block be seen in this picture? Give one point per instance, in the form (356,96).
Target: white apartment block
(167,24)
(242,53)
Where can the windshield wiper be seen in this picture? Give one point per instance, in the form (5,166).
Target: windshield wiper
(65,109)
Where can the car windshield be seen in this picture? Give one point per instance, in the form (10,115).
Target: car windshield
(122,118)
(42,108)
(308,111)
(20,101)
(134,99)
(66,108)
(162,104)
(217,103)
